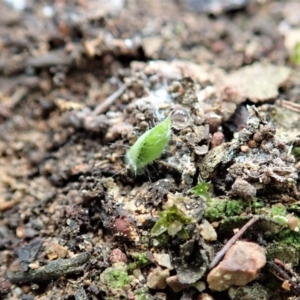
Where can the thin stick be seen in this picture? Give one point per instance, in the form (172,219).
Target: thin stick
(223,251)
(289,105)
(103,106)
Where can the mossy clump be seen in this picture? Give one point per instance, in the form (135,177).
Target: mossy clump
(289,237)
(115,281)
(140,260)
(283,252)
(220,208)
(117,278)
(172,221)
(278,213)
(257,205)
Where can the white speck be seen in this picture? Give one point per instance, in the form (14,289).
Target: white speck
(128,43)
(48,11)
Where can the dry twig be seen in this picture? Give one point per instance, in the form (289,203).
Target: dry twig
(103,106)
(289,105)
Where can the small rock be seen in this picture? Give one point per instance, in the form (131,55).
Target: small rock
(152,45)
(240,265)
(157,278)
(117,256)
(56,251)
(243,189)
(200,286)
(175,285)
(207,231)
(205,296)
(217,139)
(163,260)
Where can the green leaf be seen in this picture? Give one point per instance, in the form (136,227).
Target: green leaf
(149,146)
(159,227)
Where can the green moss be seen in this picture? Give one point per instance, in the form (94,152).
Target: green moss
(257,204)
(117,278)
(283,252)
(215,209)
(289,237)
(234,207)
(278,210)
(140,260)
(220,208)
(172,221)
(278,214)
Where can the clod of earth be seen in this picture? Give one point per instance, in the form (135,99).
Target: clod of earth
(241,265)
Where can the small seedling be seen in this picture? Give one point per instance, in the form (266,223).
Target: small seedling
(201,189)
(149,146)
(173,221)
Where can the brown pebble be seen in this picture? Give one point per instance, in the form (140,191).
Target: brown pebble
(26,289)
(244,148)
(252,144)
(217,139)
(257,137)
(214,121)
(293,223)
(122,225)
(241,265)
(205,296)
(117,255)
(174,284)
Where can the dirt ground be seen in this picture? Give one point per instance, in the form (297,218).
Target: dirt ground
(80,217)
